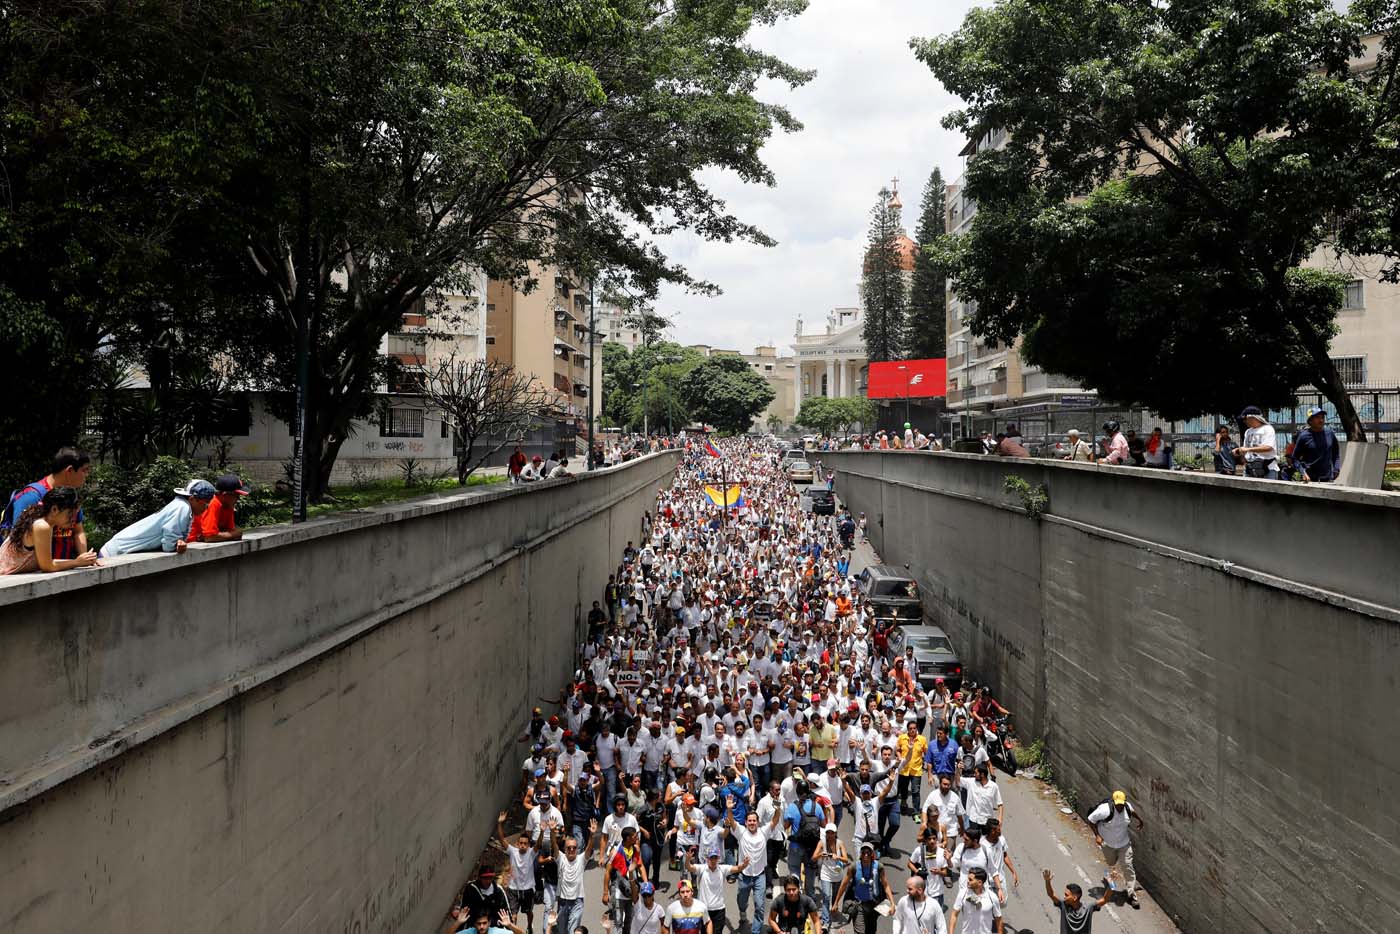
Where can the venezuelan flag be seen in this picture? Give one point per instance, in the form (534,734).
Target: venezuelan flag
(711,450)
(732,497)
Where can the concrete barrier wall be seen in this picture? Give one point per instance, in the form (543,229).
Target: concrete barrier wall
(1224,649)
(311,730)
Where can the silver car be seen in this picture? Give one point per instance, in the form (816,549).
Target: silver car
(933,651)
(800,472)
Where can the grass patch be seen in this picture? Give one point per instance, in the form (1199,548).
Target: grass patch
(269,507)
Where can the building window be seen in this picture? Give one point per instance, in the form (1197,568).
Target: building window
(401,423)
(1351,369)
(1356,295)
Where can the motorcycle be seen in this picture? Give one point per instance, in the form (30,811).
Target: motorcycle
(1000,747)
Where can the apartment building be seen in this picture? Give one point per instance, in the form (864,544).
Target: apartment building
(545,333)
(614,329)
(988,382)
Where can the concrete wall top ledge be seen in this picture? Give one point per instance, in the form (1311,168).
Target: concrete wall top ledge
(1244,485)
(19,588)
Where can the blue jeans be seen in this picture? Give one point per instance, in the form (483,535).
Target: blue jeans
(758,886)
(828,892)
(610,787)
(796,862)
(570,915)
(761,774)
(889,823)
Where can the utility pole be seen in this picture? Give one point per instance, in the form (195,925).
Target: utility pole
(646,378)
(592,379)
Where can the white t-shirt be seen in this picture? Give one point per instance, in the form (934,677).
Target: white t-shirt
(710,890)
(613,827)
(648,920)
(630,756)
(1262,436)
(522,868)
(933,885)
(996,857)
(977,917)
(982,800)
(765,808)
(754,848)
(571,874)
(948,806)
(1112,824)
(605,749)
(923,917)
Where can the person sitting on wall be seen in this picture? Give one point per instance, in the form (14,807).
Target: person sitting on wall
(531,472)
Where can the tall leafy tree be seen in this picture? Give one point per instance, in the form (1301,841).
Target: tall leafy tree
(119,123)
(725,392)
(927,333)
(884,288)
(1218,143)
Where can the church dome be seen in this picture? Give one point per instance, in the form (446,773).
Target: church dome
(906,249)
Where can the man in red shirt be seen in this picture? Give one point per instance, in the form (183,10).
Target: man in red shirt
(516,464)
(217,524)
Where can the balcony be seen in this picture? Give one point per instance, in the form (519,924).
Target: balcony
(955,396)
(956,362)
(994,388)
(415,321)
(409,358)
(562,383)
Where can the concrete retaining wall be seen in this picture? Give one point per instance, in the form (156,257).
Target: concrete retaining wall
(310,730)
(1224,649)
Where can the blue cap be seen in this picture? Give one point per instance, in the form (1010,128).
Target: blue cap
(539,773)
(648,888)
(1316,410)
(199,489)
(865,788)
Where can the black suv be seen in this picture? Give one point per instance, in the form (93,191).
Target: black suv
(892,593)
(823,502)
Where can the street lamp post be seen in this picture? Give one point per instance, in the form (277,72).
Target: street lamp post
(905,370)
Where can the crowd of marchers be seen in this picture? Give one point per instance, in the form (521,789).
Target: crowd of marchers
(738,724)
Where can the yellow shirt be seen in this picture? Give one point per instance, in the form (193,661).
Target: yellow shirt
(916,762)
(823,738)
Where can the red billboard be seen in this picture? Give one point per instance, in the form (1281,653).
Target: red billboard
(908,379)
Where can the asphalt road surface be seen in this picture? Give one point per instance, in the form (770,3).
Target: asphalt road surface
(1039,834)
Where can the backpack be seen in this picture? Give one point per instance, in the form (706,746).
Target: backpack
(1107,802)
(809,829)
(7,518)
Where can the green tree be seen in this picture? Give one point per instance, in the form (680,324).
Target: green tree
(884,288)
(327,165)
(619,380)
(853,410)
(1218,142)
(819,413)
(775,421)
(926,334)
(119,124)
(725,392)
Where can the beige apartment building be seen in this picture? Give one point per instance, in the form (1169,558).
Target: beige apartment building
(545,333)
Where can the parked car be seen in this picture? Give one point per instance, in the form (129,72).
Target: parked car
(933,651)
(800,472)
(790,455)
(823,502)
(891,593)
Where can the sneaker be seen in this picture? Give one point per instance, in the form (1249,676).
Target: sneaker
(918,819)
(1133,900)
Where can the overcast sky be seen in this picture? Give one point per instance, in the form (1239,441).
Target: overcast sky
(871,113)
